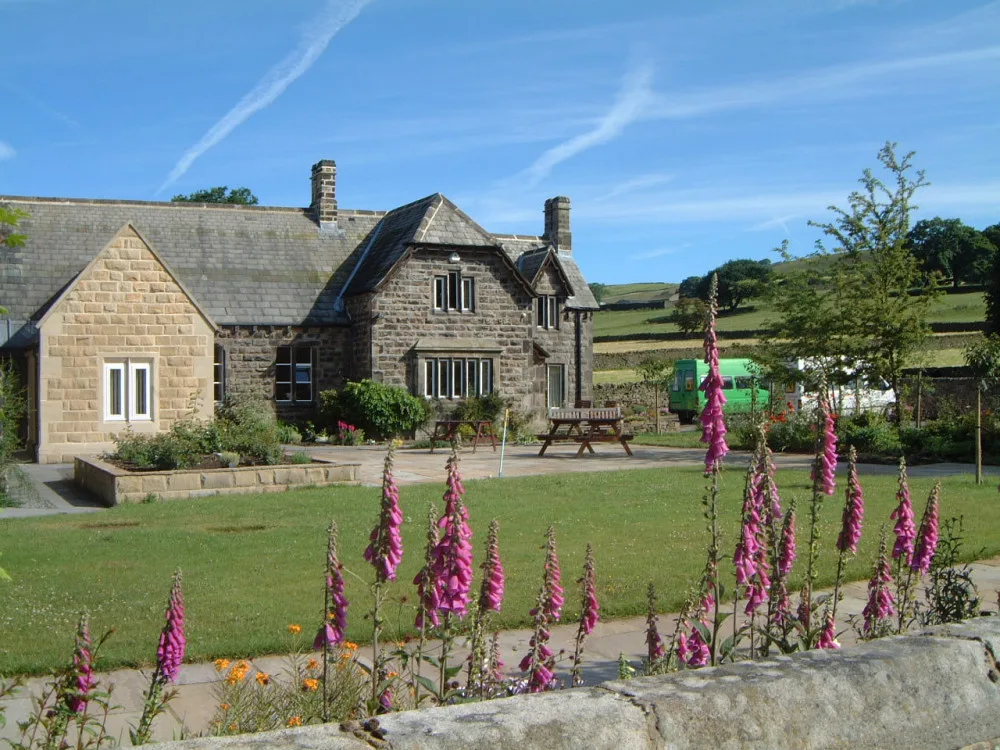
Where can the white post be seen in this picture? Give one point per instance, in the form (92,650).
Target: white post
(503,442)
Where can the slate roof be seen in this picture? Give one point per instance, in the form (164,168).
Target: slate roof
(242,264)
(528,253)
(433,220)
(248,265)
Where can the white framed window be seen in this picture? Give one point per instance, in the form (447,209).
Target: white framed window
(457,377)
(128,391)
(219,375)
(556,375)
(293,375)
(453,291)
(547,311)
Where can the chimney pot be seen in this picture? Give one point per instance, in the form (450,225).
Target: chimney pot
(324,192)
(557,230)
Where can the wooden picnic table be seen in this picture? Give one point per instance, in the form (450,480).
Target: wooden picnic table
(445,430)
(585,426)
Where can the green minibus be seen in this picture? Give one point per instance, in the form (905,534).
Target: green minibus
(686,400)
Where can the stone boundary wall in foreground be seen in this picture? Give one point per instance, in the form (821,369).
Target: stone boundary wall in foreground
(115,486)
(937,689)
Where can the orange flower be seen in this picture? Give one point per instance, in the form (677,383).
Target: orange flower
(224,706)
(310,684)
(295,721)
(263,678)
(232,727)
(350,646)
(392,675)
(238,672)
(294,629)
(312,664)
(221,665)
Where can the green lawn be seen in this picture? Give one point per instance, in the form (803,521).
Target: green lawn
(253,564)
(948,308)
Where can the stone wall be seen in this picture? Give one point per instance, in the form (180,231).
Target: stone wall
(251,352)
(116,486)
(560,343)
(937,689)
(405,315)
(124,305)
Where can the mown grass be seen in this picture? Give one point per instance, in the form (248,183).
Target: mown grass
(254,564)
(948,308)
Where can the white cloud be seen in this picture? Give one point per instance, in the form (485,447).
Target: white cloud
(823,83)
(630,105)
(636,183)
(6,151)
(320,31)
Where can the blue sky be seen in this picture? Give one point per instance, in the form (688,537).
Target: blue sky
(685,133)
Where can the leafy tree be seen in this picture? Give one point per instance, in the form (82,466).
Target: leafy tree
(739,280)
(808,327)
(689,287)
(992,233)
(689,315)
(241,196)
(657,372)
(983,358)
(951,248)
(875,273)
(599,290)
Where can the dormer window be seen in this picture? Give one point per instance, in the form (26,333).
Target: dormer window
(453,291)
(547,311)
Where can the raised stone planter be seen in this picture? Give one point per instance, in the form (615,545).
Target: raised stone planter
(115,486)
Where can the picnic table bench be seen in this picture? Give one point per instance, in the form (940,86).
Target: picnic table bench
(585,426)
(445,431)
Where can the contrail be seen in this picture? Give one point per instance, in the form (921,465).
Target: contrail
(314,41)
(633,99)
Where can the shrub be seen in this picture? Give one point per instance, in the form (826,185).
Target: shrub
(300,457)
(383,411)
(163,451)
(870,433)
(289,434)
(489,407)
(230,459)
(247,426)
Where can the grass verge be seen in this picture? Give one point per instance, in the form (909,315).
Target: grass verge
(253,564)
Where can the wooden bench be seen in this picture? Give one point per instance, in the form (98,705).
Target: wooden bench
(585,426)
(446,430)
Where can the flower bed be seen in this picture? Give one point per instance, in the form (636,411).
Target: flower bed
(114,485)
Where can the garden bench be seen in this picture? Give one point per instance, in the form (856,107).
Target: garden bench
(446,430)
(585,426)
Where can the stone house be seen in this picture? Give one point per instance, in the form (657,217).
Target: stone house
(132,315)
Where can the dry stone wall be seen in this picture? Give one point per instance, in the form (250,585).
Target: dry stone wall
(938,689)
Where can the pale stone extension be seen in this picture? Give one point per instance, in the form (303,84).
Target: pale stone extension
(126,313)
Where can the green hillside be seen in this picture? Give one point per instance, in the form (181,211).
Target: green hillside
(639,292)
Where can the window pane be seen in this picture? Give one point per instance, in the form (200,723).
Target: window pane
(468,295)
(303,355)
(219,377)
(727,383)
(283,391)
(440,293)
(303,392)
(557,396)
(115,392)
(453,290)
(284,355)
(430,381)
(541,309)
(444,375)
(553,312)
(471,372)
(458,376)
(303,374)
(486,377)
(141,392)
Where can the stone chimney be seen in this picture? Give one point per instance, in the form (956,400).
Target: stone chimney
(557,224)
(324,192)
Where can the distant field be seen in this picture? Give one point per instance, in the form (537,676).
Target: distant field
(639,292)
(948,308)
